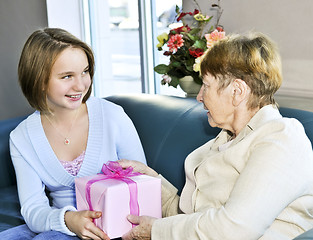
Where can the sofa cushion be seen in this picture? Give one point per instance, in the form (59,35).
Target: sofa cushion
(10,215)
(305,236)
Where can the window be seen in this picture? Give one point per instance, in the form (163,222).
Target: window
(114,29)
(165,12)
(125,50)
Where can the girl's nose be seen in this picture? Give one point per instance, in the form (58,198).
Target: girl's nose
(79,83)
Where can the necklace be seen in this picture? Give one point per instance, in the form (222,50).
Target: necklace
(66,138)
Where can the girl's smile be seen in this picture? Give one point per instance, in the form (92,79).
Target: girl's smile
(69,80)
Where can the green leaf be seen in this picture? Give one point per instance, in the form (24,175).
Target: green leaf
(199,44)
(189,64)
(161,69)
(209,19)
(175,64)
(197,78)
(174,82)
(194,31)
(192,37)
(189,68)
(177,10)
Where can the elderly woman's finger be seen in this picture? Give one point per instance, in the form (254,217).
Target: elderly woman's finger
(138,167)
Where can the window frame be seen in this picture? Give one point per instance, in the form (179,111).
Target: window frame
(81,24)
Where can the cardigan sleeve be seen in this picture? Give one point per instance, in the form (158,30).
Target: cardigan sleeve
(121,132)
(35,208)
(276,174)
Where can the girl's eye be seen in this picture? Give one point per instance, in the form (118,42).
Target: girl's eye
(67,77)
(86,71)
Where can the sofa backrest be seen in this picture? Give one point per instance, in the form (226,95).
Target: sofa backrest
(305,117)
(7,174)
(172,127)
(169,128)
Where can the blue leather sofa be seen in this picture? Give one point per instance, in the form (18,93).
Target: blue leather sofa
(169,128)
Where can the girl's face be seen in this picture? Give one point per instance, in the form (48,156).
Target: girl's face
(69,80)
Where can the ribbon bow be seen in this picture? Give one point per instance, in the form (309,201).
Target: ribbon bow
(113,170)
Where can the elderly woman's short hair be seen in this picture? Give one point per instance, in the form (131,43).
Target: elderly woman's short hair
(254,58)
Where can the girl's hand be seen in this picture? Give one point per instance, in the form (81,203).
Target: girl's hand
(142,231)
(81,223)
(138,167)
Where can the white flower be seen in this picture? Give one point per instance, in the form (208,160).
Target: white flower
(166,78)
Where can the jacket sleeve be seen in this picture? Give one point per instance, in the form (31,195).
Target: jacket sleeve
(277,172)
(170,199)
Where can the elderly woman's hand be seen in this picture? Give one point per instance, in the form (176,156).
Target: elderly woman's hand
(138,167)
(142,231)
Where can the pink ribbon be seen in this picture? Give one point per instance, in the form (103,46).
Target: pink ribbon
(113,170)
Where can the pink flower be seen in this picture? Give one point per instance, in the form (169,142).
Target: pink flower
(214,37)
(176,41)
(166,79)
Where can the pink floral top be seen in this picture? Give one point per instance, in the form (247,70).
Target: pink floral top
(73,167)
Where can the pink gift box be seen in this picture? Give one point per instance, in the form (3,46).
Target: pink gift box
(112,197)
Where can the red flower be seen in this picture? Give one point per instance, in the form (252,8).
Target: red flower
(220,29)
(196,52)
(175,42)
(183,14)
(196,11)
(167,53)
(180,29)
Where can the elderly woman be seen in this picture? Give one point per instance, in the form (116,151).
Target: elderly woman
(255,179)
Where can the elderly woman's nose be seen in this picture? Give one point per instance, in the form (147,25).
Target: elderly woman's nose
(199,96)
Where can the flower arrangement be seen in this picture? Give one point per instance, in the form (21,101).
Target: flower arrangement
(186,44)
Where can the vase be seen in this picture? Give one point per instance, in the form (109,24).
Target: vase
(189,86)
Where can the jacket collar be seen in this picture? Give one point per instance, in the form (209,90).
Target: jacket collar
(264,115)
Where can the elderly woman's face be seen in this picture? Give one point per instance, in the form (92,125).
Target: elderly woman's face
(218,104)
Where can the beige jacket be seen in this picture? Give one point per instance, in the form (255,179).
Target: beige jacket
(258,187)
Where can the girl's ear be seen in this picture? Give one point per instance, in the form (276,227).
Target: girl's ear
(240,91)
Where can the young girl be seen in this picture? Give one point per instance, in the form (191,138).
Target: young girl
(69,135)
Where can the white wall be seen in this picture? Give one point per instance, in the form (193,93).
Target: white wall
(289,23)
(67,15)
(18,18)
